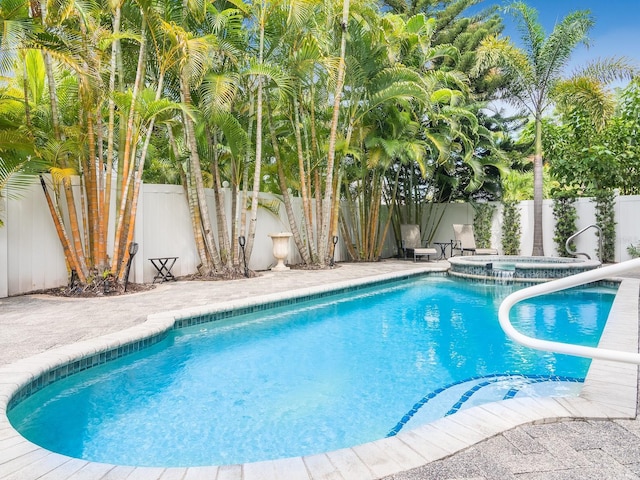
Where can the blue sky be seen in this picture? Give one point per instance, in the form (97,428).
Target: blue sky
(616,31)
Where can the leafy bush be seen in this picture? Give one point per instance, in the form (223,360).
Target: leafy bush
(605,218)
(634,250)
(482,224)
(511,228)
(564,213)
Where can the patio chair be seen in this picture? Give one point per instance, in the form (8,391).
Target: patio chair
(465,241)
(412,243)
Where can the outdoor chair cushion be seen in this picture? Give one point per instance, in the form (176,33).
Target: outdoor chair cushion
(421,252)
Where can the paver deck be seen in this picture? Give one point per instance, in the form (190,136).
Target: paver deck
(600,447)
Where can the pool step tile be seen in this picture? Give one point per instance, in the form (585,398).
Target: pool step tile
(174,474)
(36,469)
(66,470)
(401,453)
(146,473)
(625,397)
(442,438)
(20,461)
(464,433)
(291,469)
(481,421)
(349,464)
(321,468)
(377,459)
(98,471)
(430,449)
(259,471)
(201,473)
(229,472)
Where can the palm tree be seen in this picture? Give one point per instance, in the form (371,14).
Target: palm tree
(531,73)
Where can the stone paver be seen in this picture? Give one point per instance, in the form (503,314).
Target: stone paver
(580,449)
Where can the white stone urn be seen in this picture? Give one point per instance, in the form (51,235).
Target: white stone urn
(280,249)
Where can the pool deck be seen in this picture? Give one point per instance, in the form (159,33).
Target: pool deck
(591,436)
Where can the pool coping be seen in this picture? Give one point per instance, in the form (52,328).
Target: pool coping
(610,392)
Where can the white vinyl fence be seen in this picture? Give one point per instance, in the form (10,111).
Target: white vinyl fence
(31,257)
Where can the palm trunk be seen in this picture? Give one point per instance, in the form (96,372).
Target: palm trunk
(53,96)
(306,201)
(73,223)
(355,238)
(221,217)
(391,203)
(91,173)
(25,93)
(196,172)
(335,212)
(328,200)
(106,198)
(205,267)
(127,158)
(133,208)
(67,247)
(318,191)
(258,160)
(538,247)
(101,260)
(245,179)
(293,225)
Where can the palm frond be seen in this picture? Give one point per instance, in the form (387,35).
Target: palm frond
(16,177)
(586,94)
(273,73)
(608,70)
(557,50)
(219,91)
(531,31)
(235,135)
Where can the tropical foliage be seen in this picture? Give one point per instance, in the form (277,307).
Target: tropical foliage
(564,213)
(534,78)
(372,114)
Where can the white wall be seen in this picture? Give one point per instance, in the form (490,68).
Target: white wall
(34,255)
(163,229)
(628,228)
(31,257)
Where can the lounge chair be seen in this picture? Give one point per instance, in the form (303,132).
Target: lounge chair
(412,243)
(465,241)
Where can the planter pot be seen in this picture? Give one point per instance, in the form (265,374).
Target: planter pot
(280,249)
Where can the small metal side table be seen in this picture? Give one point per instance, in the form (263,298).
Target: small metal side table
(163,266)
(443,248)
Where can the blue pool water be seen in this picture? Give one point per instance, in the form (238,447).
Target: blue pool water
(330,374)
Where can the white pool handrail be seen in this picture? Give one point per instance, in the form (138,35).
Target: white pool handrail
(562,284)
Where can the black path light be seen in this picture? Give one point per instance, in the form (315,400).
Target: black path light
(133,249)
(243,241)
(332,263)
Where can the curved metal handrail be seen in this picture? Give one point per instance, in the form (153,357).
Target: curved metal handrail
(562,284)
(570,239)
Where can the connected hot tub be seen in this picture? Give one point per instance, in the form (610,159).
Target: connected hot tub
(518,268)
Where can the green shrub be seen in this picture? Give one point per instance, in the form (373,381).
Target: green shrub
(511,228)
(606,220)
(482,224)
(564,213)
(634,250)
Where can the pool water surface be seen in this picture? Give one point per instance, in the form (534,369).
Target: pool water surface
(328,374)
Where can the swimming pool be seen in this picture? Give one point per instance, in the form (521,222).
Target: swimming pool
(408,365)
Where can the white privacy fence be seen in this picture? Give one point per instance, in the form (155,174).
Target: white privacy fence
(31,257)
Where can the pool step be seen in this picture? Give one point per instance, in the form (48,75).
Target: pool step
(475,391)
